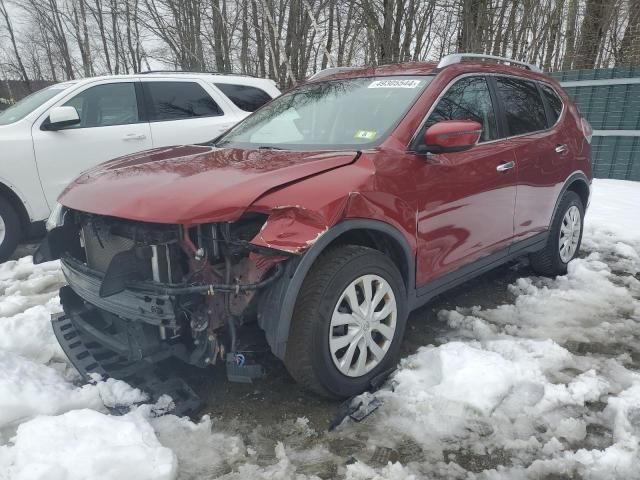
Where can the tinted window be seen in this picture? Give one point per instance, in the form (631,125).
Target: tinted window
(523,106)
(467,99)
(244,97)
(554,102)
(179,100)
(105,105)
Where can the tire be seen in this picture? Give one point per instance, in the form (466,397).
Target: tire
(10,229)
(552,260)
(312,358)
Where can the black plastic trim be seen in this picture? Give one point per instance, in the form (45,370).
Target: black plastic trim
(578,176)
(483,265)
(277,320)
(279,302)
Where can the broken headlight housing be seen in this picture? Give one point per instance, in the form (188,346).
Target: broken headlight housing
(56,218)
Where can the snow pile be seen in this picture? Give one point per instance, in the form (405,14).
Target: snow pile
(28,297)
(612,218)
(50,426)
(83,444)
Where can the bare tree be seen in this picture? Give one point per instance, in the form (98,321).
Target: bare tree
(12,38)
(289,40)
(178,23)
(629,51)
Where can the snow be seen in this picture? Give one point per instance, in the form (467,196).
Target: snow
(545,385)
(83,444)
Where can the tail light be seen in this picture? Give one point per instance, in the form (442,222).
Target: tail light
(587,131)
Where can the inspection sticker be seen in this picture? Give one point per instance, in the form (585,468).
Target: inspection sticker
(365,134)
(395,84)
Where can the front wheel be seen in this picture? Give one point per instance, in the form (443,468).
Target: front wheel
(10,229)
(348,322)
(564,239)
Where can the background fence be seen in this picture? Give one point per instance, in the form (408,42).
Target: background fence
(610,99)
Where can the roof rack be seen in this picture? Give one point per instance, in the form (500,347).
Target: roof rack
(197,73)
(330,71)
(459,57)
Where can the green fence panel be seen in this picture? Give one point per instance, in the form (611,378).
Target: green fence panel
(613,110)
(609,107)
(597,74)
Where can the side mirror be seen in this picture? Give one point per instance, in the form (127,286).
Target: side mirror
(452,136)
(61,117)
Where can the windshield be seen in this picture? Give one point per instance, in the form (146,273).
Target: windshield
(28,104)
(347,113)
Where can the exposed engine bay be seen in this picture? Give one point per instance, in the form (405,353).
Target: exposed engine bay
(143,292)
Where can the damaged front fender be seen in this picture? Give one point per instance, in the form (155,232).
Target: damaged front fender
(291,229)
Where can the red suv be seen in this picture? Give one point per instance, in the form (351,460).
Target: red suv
(326,217)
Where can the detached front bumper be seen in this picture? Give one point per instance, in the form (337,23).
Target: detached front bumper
(121,351)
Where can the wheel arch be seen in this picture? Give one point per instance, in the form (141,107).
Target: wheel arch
(576,182)
(16,202)
(278,303)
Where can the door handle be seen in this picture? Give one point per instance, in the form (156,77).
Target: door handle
(134,136)
(562,148)
(505,166)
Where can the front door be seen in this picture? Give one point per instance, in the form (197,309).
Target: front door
(110,126)
(465,199)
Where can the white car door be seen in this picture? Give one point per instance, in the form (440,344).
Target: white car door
(110,126)
(185,111)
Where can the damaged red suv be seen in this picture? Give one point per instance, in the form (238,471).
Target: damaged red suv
(325,217)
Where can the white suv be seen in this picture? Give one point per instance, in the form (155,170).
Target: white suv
(51,136)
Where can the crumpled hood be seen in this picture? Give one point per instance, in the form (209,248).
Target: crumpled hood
(191,184)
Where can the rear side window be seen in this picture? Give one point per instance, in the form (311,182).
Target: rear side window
(244,97)
(523,105)
(178,100)
(106,105)
(467,99)
(554,102)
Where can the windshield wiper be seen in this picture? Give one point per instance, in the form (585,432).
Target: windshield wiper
(269,147)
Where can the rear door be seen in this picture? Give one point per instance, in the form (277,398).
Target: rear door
(185,111)
(465,199)
(542,152)
(110,126)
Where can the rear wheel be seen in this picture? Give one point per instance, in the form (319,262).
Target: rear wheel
(348,322)
(564,239)
(10,229)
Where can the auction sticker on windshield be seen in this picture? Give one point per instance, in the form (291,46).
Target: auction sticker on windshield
(395,84)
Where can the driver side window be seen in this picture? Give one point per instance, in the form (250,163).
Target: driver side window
(106,105)
(467,99)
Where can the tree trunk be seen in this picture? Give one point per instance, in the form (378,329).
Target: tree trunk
(629,51)
(12,38)
(592,32)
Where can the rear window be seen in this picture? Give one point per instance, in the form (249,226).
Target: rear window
(244,97)
(179,100)
(523,105)
(554,102)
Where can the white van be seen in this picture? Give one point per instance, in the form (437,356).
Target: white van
(51,136)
